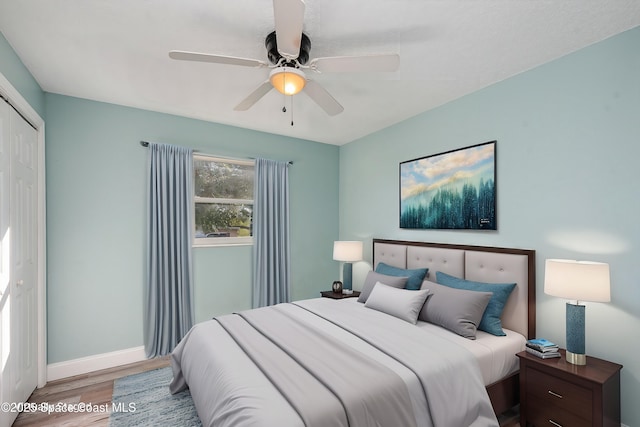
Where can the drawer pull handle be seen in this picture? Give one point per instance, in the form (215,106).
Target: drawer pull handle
(559,396)
(555,423)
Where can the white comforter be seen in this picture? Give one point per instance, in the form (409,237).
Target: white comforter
(442,379)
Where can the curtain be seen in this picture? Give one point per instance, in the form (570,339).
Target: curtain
(168,307)
(271,257)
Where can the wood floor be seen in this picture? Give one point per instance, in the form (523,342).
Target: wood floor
(97,388)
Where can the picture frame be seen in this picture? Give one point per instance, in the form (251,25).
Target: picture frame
(454,190)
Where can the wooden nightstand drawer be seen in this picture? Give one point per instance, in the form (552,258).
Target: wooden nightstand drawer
(550,390)
(556,393)
(542,414)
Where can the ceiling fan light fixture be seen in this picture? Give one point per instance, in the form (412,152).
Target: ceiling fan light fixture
(287,80)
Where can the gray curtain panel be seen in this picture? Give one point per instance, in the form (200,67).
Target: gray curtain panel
(168,313)
(271,254)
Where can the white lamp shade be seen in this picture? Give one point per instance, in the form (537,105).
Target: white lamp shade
(577,280)
(347,251)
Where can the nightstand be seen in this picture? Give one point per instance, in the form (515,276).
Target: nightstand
(339,295)
(556,393)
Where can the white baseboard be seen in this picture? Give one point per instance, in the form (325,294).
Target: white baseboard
(83,365)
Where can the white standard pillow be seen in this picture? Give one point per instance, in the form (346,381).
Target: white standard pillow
(401,303)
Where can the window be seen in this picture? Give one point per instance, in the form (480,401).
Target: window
(223,198)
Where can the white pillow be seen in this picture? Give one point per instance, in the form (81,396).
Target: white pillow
(401,303)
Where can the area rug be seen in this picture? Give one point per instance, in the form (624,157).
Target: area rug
(144,400)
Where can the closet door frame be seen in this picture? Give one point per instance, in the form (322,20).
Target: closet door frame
(22,106)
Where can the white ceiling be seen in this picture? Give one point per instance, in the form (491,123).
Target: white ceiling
(116,51)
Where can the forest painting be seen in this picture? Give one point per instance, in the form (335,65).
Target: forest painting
(452,190)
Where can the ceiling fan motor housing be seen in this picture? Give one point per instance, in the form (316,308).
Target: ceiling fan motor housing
(274,56)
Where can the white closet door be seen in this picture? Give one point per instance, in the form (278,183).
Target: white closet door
(18,258)
(24,220)
(6,382)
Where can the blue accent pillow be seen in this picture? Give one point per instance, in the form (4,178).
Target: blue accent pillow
(416,276)
(491,318)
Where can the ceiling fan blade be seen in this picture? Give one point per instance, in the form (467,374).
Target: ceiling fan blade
(217,59)
(323,98)
(254,96)
(289,17)
(354,64)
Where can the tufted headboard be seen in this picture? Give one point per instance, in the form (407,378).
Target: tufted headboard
(478,263)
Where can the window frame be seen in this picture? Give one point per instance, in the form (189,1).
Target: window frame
(218,241)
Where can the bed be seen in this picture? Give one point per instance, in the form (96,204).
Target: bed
(324,362)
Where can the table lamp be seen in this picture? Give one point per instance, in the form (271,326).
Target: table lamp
(580,281)
(348,252)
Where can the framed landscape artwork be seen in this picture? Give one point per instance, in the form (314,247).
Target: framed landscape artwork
(452,190)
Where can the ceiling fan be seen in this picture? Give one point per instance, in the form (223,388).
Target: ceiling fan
(288,53)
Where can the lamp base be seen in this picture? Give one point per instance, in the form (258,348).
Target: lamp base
(575,334)
(576,358)
(347,274)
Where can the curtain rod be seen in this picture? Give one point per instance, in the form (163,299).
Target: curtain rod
(146,144)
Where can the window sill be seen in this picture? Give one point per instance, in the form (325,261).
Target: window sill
(221,242)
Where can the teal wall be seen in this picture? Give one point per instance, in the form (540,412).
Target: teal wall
(96,221)
(21,79)
(567,180)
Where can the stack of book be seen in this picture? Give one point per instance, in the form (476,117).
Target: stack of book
(542,348)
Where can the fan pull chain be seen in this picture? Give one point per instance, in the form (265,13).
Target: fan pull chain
(284,108)
(292,111)
(284,102)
